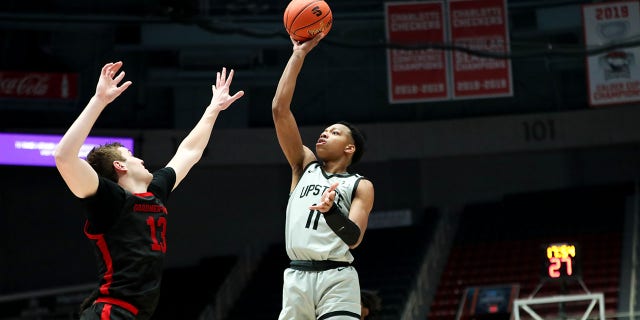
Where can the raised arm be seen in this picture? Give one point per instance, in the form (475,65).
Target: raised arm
(285,123)
(191,148)
(79,176)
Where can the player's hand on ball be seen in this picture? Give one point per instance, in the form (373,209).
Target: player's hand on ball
(307,45)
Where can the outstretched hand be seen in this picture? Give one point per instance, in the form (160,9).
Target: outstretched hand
(221,99)
(326,200)
(108,88)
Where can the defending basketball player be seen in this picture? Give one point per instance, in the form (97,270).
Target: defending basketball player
(127,217)
(328,209)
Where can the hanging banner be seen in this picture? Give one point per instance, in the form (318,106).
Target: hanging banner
(416,75)
(613,76)
(38,85)
(480,25)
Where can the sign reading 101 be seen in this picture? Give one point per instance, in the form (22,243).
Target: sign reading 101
(561,261)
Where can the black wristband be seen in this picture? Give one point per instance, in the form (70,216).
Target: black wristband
(333,210)
(346,229)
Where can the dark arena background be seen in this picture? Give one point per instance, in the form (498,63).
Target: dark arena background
(505,160)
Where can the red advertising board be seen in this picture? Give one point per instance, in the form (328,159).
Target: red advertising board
(480,25)
(37,85)
(420,74)
(613,76)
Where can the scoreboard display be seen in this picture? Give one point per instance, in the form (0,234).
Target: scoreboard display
(561,261)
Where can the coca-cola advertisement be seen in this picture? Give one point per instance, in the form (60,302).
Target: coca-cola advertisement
(36,85)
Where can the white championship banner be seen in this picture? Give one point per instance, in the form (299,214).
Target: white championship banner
(613,76)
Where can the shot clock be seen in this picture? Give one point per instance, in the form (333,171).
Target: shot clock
(561,261)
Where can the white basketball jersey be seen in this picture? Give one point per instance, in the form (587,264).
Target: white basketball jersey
(307,235)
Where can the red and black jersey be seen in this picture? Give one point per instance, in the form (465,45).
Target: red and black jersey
(129,235)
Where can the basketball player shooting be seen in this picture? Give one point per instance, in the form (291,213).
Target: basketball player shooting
(328,209)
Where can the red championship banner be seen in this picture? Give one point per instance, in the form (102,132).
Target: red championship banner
(480,25)
(613,76)
(421,74)
(34,85)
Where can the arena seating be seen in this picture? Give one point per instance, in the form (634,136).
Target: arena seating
(501,243)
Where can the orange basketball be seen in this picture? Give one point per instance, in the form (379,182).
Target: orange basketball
(303,19)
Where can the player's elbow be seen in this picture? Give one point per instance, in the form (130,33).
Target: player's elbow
(357,243)
(191,157)
(185,158)
(351,237)
(62,159)
(58,154)
(278,107)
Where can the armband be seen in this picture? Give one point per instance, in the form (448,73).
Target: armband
(346,229)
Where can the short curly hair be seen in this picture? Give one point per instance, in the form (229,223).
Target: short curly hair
(359,140)
(101,158)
